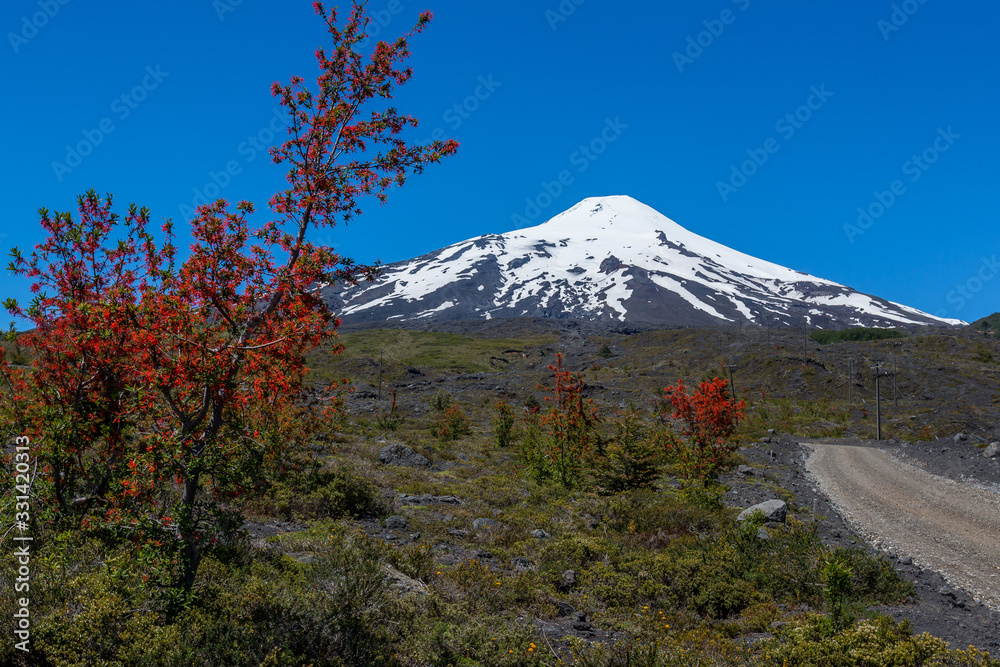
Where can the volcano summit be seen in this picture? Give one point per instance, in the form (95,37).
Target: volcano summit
(611,259)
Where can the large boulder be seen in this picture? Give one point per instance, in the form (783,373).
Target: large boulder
(401,455)
(992,450)
(773,510)
(485,524)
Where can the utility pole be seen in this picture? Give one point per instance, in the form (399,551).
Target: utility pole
(895,398)
(850,380)
(732,386)
(878,400)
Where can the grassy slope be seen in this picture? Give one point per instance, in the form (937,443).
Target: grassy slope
(663,580)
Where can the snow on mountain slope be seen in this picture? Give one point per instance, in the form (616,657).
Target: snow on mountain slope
(610,258)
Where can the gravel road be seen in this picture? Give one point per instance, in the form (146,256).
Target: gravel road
(944,525)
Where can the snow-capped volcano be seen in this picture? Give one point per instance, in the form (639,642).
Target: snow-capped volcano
(610,258)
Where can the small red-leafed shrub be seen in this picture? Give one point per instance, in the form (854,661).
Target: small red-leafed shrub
(706,448)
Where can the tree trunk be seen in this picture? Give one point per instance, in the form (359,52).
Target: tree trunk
(187,528)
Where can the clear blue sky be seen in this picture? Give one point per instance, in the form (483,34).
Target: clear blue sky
(682,93)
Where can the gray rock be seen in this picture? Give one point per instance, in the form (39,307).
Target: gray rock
(766,439)
(992,450)
(389,537)
(415,536)
(745,470)
(960,437)
(304,557)
(539,534)
(457,532)
(402,583)
(773,510)
(521,564)
(401,455)
(396,522)
(567,581)
(763,534)
(485,524)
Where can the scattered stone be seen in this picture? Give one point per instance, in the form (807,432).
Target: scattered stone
(565,608)
(947,592)
(770,431)
(304,557)
(396,522)
(567,581)
(462,457)
(401,455)
(415,536)
(427,499)
(402,583)
(522,564)
(745,470)
(766,439)
(539,534)
(992,450)
(485,524)
(960,437)
(762,534)
(457,532)
(778,624)
(389,537)
(484,555)
(773,510)
(906,560)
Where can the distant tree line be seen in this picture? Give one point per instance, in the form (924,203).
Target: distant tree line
(854,334)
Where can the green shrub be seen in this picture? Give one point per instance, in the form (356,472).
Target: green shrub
(632,459)
(878,642)
(451,424)
(503,425)
(321,493)
(441,400)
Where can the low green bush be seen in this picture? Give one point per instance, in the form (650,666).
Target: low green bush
(855,334)
(321,493)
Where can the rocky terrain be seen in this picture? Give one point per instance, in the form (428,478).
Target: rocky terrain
(943,384)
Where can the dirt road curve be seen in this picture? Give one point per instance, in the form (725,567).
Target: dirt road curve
(947,526)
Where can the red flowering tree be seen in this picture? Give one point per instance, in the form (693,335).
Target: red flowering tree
(709,417)
(570,426)
(159,379)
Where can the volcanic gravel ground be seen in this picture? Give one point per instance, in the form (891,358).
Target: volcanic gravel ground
(941,608)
